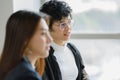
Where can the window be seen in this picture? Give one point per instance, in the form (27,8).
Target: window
(96,33)
(101,57)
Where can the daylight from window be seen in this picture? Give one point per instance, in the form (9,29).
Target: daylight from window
(96,16)
(101,56)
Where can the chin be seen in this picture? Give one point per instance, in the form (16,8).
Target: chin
(46,54)
(66,39)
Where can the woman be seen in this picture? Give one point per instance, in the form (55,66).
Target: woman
(27,40)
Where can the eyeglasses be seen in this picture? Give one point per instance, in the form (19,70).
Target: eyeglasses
(63,25)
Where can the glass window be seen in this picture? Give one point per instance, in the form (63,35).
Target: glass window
(96,16)
(101,57)
(97,24)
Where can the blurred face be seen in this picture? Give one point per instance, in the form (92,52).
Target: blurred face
(61,30)
(39,44)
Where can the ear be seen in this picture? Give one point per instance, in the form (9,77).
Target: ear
(26,42)
(50,30)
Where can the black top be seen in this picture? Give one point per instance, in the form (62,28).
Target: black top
(23,71)
(52,70)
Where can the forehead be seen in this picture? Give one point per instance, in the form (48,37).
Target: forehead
(63,19)
(42,25)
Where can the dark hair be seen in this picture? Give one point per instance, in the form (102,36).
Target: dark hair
(56,9)
(20,28)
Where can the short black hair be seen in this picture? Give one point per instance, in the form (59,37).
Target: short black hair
(56,9)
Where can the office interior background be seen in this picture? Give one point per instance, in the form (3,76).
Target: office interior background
(96,32)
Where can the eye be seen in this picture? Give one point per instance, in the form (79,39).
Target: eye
(43,33)
(62,25)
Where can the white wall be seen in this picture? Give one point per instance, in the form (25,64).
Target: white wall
(7,7)
(32,5)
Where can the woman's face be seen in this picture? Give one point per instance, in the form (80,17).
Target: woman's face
(39,44)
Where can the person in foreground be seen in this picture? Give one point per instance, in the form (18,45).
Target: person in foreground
(64,61)
(26,41)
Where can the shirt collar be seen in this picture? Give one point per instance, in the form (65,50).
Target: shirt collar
(58,47)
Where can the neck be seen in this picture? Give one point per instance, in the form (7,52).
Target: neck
(32,59)
(61,43)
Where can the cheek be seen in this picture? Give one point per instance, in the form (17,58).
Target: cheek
(58,33)
(37,44)
(40,43)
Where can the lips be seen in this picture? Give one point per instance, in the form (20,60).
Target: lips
(48,48)
(67,34)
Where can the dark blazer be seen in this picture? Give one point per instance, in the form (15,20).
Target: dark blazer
(52,70)
(23,71)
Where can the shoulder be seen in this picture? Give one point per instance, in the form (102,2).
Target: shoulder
(23,71)
(77,54)
(28,76)
(72,47)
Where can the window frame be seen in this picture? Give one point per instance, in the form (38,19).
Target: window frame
(95,36)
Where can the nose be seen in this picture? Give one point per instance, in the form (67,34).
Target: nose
(49,38)
(68,27)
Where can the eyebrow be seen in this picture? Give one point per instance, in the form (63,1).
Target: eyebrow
(63,21)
